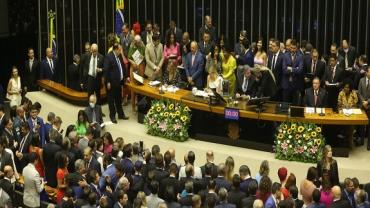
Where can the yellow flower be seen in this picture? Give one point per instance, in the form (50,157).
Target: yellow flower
(165,114)
(313,134)
(183,118)
(173,115)
(177,113)
(293,126)
(280,136)
(150,111)
(318,142)
(300,129)
(285,126)
(171,106)
(318,129)
(297,136)
(186,108)
(289,131)
(158,109)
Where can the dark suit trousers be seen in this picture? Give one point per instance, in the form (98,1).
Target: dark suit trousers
(93,86)
(115,101)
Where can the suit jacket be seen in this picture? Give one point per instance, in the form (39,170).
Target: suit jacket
(47,73)
(294,78)
(338,77)
(153,57)
(221,182)
(98,114)
(224,204)
(214,170)
(320,68)
(211,31)
(50,163)
(246,58)
(41,130)
(6,159)
(278,69)
(30,75)
(8,187)
(169,181)
(244,185)
(195,70)
(86,66)
(126,42)
(112,70)
(351,55)
(206,49)
(178,34)
(11,137)
(266,87)
(340,204)
(73,77)
(309,99)
(235,197)
(334,178)
(144,35)
(270,203)
(363,91)
(94,165)
(32,186)
(160,174)
(248,201)
(25,150)
(251,88)
(186,201)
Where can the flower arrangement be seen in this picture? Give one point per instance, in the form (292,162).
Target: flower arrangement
(302,142)
(168,119)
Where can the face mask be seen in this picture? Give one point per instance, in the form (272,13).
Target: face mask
(92,105)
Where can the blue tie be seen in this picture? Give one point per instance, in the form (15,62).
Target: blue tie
(120,68)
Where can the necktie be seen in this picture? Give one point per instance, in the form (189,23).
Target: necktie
(293,58)
(314,68)
(192,59)
(93,116)
(315,97)
(51,66)
(94,67)
(22,144)
(346,60)
(273,62)
(31,62)
(120,68)
(245,86)
(333,75)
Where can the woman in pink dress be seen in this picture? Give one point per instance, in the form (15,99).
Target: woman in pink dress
(108,143)
(172,49)
(326,194)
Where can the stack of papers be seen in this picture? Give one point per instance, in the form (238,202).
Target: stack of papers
(354,111)
(311,110)
(154,83)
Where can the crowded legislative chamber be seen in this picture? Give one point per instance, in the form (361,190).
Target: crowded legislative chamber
(185,103)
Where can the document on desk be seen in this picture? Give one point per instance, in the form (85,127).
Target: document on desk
(352,111)
(311,110)
(138,58)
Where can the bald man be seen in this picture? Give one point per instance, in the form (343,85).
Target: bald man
(92,72)
(48,68)
(6,184)
(194,66)
(208,27)
(337,201)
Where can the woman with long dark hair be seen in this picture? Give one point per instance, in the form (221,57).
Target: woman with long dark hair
(172,49)
(82,123)
(328,166)
(61,174)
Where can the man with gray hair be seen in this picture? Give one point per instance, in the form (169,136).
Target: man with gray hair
(222,194)
(77,177)
(94,115)
(92,71)
(246,83)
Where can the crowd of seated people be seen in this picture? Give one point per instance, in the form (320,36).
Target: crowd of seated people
(88,168)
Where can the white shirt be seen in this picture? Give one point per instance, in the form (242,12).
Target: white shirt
(93,65)
(31,63)
(197,172)
(51,64)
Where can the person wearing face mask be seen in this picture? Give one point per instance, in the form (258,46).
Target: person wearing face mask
(94,115)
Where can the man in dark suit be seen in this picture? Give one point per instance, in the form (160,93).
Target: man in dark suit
(364,97)
(246,56)
(171,180)
(334,51)
(6,184)
(313,67)
(349,55)
(223,203)
(6,158)
(315,96)
(90,161)
(125,38)
(209,28)
(210,168)
(49,154)
(187,200)
(236,195)
(92,71)
(159,173)
(221,181)
(147,34)
(337,201)
(275,63)
(73,74)
(292,78)
(361,69)
(239,46)
(252,190)
(194,66)
(246,83)
(114,79)
(48,67)
(348,192)
(22,150)
(83,61)
(246,179)
(36,124)
(94,114)
(265,83)
(206,46)
(175,30)
(31,72)
(333,78)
